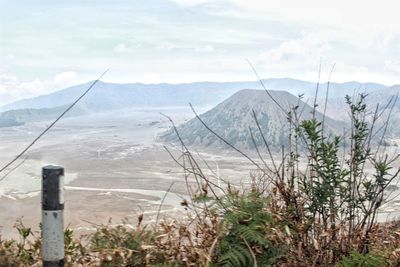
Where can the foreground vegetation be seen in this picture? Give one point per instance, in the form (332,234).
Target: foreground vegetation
(324,214)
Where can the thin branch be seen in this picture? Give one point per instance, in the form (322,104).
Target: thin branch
(52,124)
(13,169)
(257,150)
(386,125)
(317,89)
(264,140)
(162,202)
(212,249)
(223,139)
(326,98)
(263,86)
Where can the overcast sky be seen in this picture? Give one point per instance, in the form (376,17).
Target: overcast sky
(47,45)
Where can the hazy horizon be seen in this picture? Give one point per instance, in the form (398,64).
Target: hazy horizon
(195,82)
(46,45)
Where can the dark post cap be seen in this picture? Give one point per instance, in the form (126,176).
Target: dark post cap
(52,190)
(53,168)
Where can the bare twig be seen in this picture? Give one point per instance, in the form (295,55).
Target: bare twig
(225,141)
(13,169)
(326,99)
(317,89)
(263,86)
(51,125)
(264,140)
(162,202)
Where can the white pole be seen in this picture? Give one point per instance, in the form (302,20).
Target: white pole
(53,216)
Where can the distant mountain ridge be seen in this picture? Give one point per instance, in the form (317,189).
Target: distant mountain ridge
(111,96)
(232,119)
(106,96)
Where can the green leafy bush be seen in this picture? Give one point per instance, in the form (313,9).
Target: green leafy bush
(248,226)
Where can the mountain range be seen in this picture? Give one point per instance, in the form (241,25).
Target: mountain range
(111,96)
(105,96)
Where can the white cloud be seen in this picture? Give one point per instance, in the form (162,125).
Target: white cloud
(206,48)
(169,46)
(360,22)
(12,88)
(181,46)
(126,47)
(309,48)
(393,65)
(299,58)
(121,48)
(361,36)
(358,13)
(296,57)
(189,3)
(66,77)
(204,40)
(33,87)
(6,82)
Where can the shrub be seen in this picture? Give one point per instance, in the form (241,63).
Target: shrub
(248,235)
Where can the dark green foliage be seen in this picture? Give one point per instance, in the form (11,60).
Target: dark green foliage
(357,259)
(248,224)
(325,184)
(73,248)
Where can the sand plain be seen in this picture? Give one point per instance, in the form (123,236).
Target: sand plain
(115,166)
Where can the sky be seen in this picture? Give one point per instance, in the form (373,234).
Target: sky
(48,45)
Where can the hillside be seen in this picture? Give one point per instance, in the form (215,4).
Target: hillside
(232,118)
(6,122)
(20,116)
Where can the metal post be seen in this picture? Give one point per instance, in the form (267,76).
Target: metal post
(53,216)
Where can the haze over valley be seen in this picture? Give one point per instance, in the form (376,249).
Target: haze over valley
(112,143)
